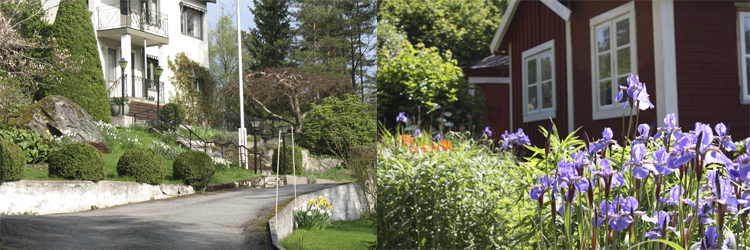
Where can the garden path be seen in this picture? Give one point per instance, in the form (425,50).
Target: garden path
(218,220)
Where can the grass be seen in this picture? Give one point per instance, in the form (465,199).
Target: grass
(222,173)
(352,234)
(340,174)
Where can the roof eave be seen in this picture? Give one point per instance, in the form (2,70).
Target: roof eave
(554,5)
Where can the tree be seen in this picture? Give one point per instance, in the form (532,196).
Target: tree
(195,91)
(337,125)
(87,88)
(464,27)
(359,31)
(28,57)
(422,80)
(288,94)
(269,43)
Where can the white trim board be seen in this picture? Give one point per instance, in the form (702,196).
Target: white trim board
(554,5)
(569,75)
(489,80)
(665,60)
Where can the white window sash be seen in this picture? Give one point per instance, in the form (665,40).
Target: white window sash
(536,53)
(744,56)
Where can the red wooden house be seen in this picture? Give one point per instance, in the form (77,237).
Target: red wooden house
(567,59)
(491,76)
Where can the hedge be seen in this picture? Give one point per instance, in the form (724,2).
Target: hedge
(146,165)
(195,168)
(13,161)
(78,161)
(297,160)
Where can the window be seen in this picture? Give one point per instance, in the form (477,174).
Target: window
(539,82)
(192,22)
(745,56)
(613,58)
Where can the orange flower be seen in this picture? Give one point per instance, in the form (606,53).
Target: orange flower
(406,139)
(446,145)
(420,149)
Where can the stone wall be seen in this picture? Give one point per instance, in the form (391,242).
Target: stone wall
(348,204)
(51,197)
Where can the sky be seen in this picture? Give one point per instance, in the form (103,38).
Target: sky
(246,17)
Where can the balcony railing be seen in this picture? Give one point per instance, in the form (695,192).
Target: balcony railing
(140,82)
(141,19)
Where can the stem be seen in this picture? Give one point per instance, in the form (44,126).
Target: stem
(581,239)
(568,206)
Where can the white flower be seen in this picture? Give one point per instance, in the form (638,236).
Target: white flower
(449,124)
(448,114)
(309,214)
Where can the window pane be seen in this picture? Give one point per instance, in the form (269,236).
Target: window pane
(747,35)
(623,61)
(193,23)
(602,38)
(605,66)
(532,102)
(546,61)
(623,32)
(531,71)
(622,81)
(605,93)
(182,22)
(547,94)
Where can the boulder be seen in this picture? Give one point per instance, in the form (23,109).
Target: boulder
(60,116)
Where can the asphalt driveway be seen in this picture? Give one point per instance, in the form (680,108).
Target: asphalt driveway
(219,220)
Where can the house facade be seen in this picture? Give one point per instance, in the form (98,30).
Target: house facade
(146,33)
(567,59)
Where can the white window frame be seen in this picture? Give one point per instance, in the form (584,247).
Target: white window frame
(531,54)
(625,11)
(744,55)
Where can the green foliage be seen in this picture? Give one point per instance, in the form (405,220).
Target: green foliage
(120,100)
(13,162)
(297,159)
(195,168)
(465,27)
(168,152)
(269,43)
(560,148)
(172,115)
(363,162)
(350,234)
(195,91)
(316,215)
(466,197)
(336,125)
(78,161)
(36,148)
(390,39)
(74,31)
(423,78)
(146,165)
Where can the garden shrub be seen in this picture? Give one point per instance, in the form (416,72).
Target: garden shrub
(13,161)
(172,115)
(335,126)
(35,147)
(78,161)
(146,165)
(195,168)
(101,147)
(297,160)
(316,215)
(166,151)
(362,162)
(86,87)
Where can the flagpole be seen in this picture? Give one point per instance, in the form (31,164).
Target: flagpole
(242,132)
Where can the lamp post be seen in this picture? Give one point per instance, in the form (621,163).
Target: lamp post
(284,129)
(158,72)
(123,64)
(254,123)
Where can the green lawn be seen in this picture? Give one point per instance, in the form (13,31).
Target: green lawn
(339,235)
(340,174)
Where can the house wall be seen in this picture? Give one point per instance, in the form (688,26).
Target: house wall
(707,76)
(533,24)
(497,111)
(582,12)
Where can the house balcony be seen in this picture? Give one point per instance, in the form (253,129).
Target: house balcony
(138,22)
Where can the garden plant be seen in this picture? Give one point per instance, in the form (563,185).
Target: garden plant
(316,215)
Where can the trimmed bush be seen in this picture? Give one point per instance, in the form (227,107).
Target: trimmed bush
(172,115)
(146,165)
(87,87)
(13,161)
(195,168)
(337,125)
(78,161)
(297,160)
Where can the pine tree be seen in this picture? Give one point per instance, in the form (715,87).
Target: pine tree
(87,88)
(269,43)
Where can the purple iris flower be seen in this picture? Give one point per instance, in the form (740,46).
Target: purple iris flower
(544,182)
(487,131)
(711,240)
(417,133)
(401,117)
(742,170)
(661,221)
(662,165)
(723,191)
(674,196)
(726,140)
(438,137)
(637,91)
(620,212)
(704,210)
(643,130)
(641,168)
(522,138)
(610,177)
(567,175)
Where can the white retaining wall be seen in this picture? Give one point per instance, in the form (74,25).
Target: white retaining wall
(50,197)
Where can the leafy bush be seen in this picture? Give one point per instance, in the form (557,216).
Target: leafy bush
(78,161)
(224,137)
(316,215)
(462,196)
(195,168)
(172,115)
(13,162)
(86,87)
(297,159)
(205,133)
(166,151)
(362,162)
(146,165)
(335,126)
(422,80)
(36,148)
(120,100)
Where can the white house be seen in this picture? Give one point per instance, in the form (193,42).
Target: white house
(146,33)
